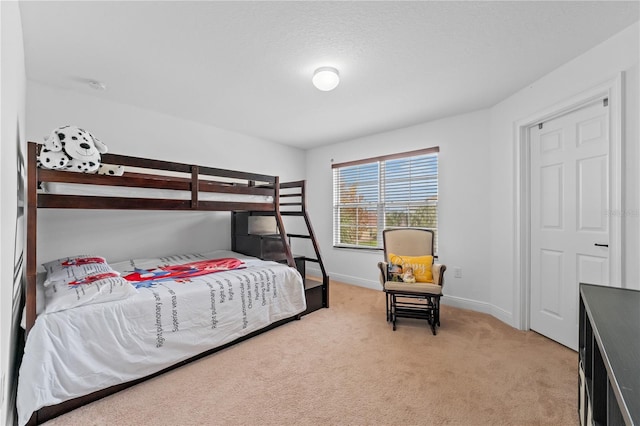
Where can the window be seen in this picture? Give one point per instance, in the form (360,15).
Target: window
(393,191)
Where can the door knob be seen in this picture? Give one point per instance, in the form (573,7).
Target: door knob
(601,245)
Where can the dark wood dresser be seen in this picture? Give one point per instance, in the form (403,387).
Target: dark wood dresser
(609,356)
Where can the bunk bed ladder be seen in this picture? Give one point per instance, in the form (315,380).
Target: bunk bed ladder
(262,242)
(298,207)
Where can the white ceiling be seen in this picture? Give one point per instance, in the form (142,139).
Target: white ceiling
(247,66)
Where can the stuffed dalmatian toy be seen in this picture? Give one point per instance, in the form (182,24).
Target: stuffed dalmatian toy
(72,148)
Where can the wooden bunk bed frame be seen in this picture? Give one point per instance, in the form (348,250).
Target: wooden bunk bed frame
(201,180)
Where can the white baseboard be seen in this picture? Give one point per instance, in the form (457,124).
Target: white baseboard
(347,279)
(474,305)
(455,301)
(463,303)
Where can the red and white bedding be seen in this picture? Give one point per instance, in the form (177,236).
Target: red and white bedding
(76,351)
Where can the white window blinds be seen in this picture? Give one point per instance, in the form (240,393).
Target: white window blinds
(394,191)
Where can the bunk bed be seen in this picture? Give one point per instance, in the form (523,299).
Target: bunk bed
(153,185)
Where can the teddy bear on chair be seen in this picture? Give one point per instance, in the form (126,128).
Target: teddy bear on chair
(408,276)
(72,148)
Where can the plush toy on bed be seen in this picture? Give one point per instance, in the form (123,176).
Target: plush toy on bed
(74,149)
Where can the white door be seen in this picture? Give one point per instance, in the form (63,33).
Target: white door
(569,220)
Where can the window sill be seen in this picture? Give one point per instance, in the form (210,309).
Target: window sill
(372,249)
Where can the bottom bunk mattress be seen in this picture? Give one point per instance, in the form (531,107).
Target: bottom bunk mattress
(77,351)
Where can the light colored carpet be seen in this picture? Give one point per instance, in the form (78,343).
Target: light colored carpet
(345,366)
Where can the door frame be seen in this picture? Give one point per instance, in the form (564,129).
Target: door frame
(611,89)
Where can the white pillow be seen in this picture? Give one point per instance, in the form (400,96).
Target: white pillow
(100,288)
(73,268)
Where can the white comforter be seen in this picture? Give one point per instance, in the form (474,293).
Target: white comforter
(78,351)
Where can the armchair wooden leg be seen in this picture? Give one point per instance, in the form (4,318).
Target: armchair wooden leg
(388,311)
(393,311)
(436,314)
(433,320)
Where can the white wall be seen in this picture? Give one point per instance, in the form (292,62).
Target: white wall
(477,175)
(133,131)
(603,62)
(464,163)
(12,119)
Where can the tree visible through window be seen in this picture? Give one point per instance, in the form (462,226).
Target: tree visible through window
(394,191)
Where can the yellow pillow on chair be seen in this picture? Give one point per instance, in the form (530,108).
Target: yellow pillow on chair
(421,266)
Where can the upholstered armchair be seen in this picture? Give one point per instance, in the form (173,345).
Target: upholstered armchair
(409,250)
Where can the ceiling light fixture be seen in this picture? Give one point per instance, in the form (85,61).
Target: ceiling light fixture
(326,78)
(97,85)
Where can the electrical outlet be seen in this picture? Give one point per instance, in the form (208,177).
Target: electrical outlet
(457,272)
